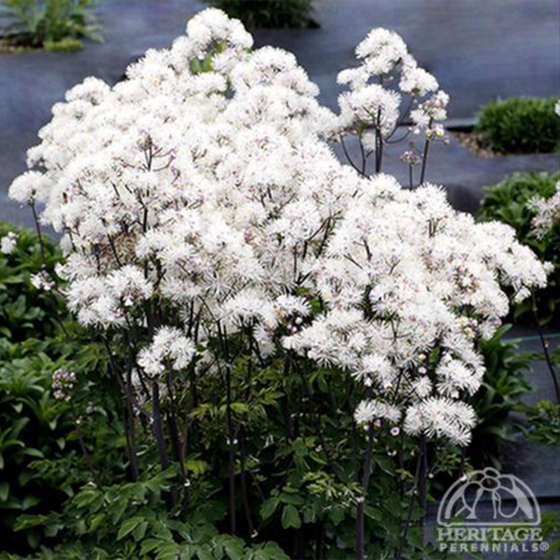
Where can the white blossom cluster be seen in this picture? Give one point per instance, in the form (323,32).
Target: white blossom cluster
(403,274)
(371,106)
(8,243)
(170,347)
(547,213)
(199,198)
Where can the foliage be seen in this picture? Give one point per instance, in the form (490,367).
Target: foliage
(550,526)
(33,425)
(129,520)
(25,311)
(544,422)
(503,387)
(520,125)
(268,13)
(507,202)
(55,25)
(38,430)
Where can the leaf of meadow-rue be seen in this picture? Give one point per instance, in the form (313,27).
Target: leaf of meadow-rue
(290,517)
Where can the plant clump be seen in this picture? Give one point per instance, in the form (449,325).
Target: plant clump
(519,126)
(266,14)
(52,25)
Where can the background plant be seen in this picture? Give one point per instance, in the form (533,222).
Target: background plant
(55,25)
(274,14)
(520,125)
(544,422)
(25,311)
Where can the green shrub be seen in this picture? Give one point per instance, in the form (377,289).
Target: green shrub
(268,13)
(520,125)
(33,425)
(507,202)
(55,25)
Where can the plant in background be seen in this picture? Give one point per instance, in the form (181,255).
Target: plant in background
(54,25)
(520,125)
(544,422)
(33,426)
(275,14)
(278,324)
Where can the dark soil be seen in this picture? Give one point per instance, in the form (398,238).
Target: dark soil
(9,46)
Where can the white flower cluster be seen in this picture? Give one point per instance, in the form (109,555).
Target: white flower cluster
(403,274)
(170,349)
(202,187)
(8,243)
(371,106)
(547,213)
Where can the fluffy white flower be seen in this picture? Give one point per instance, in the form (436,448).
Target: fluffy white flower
(170,348)
(371,105)
(28,187)
(368,411)
(202,187)
(441,418)
(547,213)
(417,80)
(381,50)
(8,243)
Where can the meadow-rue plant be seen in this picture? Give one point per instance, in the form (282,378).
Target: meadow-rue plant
(205,218)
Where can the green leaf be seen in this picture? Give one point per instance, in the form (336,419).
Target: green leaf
(290,517)
(168,551)
(52,530)
(269,507)
(294,499)
(4,491)
(96,521)
(140,532)
(149,545)
(274,551)
(128,526)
